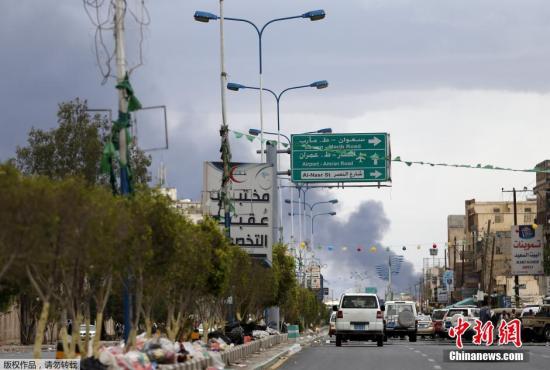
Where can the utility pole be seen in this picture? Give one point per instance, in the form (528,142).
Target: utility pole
(123,158)
(462,272)
(491,270)
(454,271)
(224,135)
(484,255)
(516,277)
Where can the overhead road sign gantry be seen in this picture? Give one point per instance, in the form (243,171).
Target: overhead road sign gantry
(338,158)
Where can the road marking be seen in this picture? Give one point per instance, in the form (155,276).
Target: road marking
(411,348)
(437,367)
(417,351)
(424,355)
(431,360)
(545,356)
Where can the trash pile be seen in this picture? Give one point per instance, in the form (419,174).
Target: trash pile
(149,353)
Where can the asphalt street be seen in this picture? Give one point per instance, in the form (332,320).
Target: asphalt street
(401,355)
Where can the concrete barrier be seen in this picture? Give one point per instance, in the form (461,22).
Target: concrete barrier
(231,355)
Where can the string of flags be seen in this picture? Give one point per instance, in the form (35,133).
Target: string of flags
(375,248)
(351,153)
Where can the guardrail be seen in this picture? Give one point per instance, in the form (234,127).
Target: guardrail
(230,355)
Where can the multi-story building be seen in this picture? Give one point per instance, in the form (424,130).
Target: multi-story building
(542,191)
(187,207)
(488,234)
(459,255)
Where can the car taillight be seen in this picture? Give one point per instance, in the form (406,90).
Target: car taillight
(379,315)
(340,314)
(416,322)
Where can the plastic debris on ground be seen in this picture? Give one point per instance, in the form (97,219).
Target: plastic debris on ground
(148,354)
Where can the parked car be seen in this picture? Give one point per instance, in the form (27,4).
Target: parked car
(537,327)
(332,324)
(359,317)
(468,313)
(437,321)
(425,327)
(400,318)
(91,331)
(530,310)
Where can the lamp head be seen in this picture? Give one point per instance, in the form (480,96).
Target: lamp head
(323,84)
(315,15)
(324,131)
(254,131)
(235,87)
(205,17)
(332,213)
(333,201)
(287,201)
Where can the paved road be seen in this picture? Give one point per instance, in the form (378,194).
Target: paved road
(401,355)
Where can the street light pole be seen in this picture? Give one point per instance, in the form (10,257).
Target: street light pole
(314,15)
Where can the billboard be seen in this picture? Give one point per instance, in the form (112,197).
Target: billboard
(251,194)
(527,250)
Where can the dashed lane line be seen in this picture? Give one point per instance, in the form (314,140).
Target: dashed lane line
(437,367)
(431,360)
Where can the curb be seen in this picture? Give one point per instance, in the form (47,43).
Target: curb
(273,360)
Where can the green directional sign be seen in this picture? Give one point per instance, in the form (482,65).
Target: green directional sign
(340,157)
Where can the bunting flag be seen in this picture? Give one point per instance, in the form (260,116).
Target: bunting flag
(351,153)
(374,248)
(112,146)
(252,138)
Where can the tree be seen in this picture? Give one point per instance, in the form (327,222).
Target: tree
(11,205)
(285,274)
(74,148)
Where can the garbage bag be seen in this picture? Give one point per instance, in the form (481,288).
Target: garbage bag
(218,334)
(91,363)
(236,335)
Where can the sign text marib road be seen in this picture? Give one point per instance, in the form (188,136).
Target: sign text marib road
(340,157)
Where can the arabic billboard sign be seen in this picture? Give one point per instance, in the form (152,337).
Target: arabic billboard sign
(251,193)
(340,158)
(527,250)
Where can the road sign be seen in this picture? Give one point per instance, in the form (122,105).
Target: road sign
(371,290)
(340,158)
(433,252)
(325,291)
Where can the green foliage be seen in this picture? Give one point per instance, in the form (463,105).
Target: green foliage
(74,243)
(74,148)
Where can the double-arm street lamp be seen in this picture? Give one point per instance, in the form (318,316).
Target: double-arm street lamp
(256,132)
(312,217)
(322,84)
(310,206)
(313,15)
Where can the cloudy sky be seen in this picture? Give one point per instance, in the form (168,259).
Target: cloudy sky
(451,81)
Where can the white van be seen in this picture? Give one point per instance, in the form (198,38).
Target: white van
(359,317)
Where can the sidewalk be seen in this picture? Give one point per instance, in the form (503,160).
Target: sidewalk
(266,359)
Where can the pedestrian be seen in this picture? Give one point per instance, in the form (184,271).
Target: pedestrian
(485,311)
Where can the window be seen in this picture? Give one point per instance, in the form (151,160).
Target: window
(351,301)
(396,309)
(496,210)
(527,218)
(528,210)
